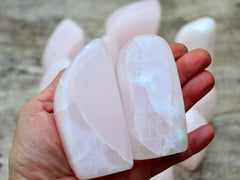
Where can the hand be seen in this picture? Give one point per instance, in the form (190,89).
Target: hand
(37,152)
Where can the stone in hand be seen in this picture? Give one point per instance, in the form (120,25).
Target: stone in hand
(152,98)
(66,41)
(135,19)
(194,121)
(89,115)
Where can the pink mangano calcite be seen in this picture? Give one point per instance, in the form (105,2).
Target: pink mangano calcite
(142,17)
(198,34)
(201,34)
(66,42)
(152,98)
(168,174)
(207,105)
(194,121)
(112,47)
(89,115)
(89,111)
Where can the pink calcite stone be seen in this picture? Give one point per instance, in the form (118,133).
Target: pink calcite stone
(165,175)
(112,48)
(89,115)
(201,34)
(198,34)
(152,97)
(141,17)
(52,72)
(66,41)
(207,105)
(194,121)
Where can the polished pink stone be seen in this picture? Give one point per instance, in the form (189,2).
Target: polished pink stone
(89,115)
(168,174)
(112,47)
(194,121)
(199,33)
(207,105)
(152,97)
(141,17)
(66,41)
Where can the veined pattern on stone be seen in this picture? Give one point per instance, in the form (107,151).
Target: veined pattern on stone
(152,97)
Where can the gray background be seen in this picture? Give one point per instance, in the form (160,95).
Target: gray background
(26,25)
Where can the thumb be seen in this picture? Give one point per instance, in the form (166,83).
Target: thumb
(48,93)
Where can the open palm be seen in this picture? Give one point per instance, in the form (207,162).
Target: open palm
(37,152)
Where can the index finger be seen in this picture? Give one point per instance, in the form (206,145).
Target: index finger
(178,50)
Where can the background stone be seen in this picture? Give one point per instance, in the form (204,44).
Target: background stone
(26,25)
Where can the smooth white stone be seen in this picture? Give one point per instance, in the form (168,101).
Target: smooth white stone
(207,105)
(89,115)
(52,72)
(165,175)
(198,34)
(201,34)
(66,41)
(194,121)
(112,48)
(152,98)
(141,17)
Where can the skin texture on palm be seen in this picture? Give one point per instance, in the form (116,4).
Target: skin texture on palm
(37,151)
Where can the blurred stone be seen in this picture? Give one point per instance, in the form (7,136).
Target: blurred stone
(165,175)
(207,105)
(135,19)
(198,34)
(201,34)
(66,41)
(194,121)
(152,97)
(89,115)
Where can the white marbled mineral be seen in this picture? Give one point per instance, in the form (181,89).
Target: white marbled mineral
(152,98)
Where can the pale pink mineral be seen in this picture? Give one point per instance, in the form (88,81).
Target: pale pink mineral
(165,175)
(207,105)
(66,41)
(89,115)
(142,17)
(201,34)
(194,121)
(112,47)
(152,98)
(198,34)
